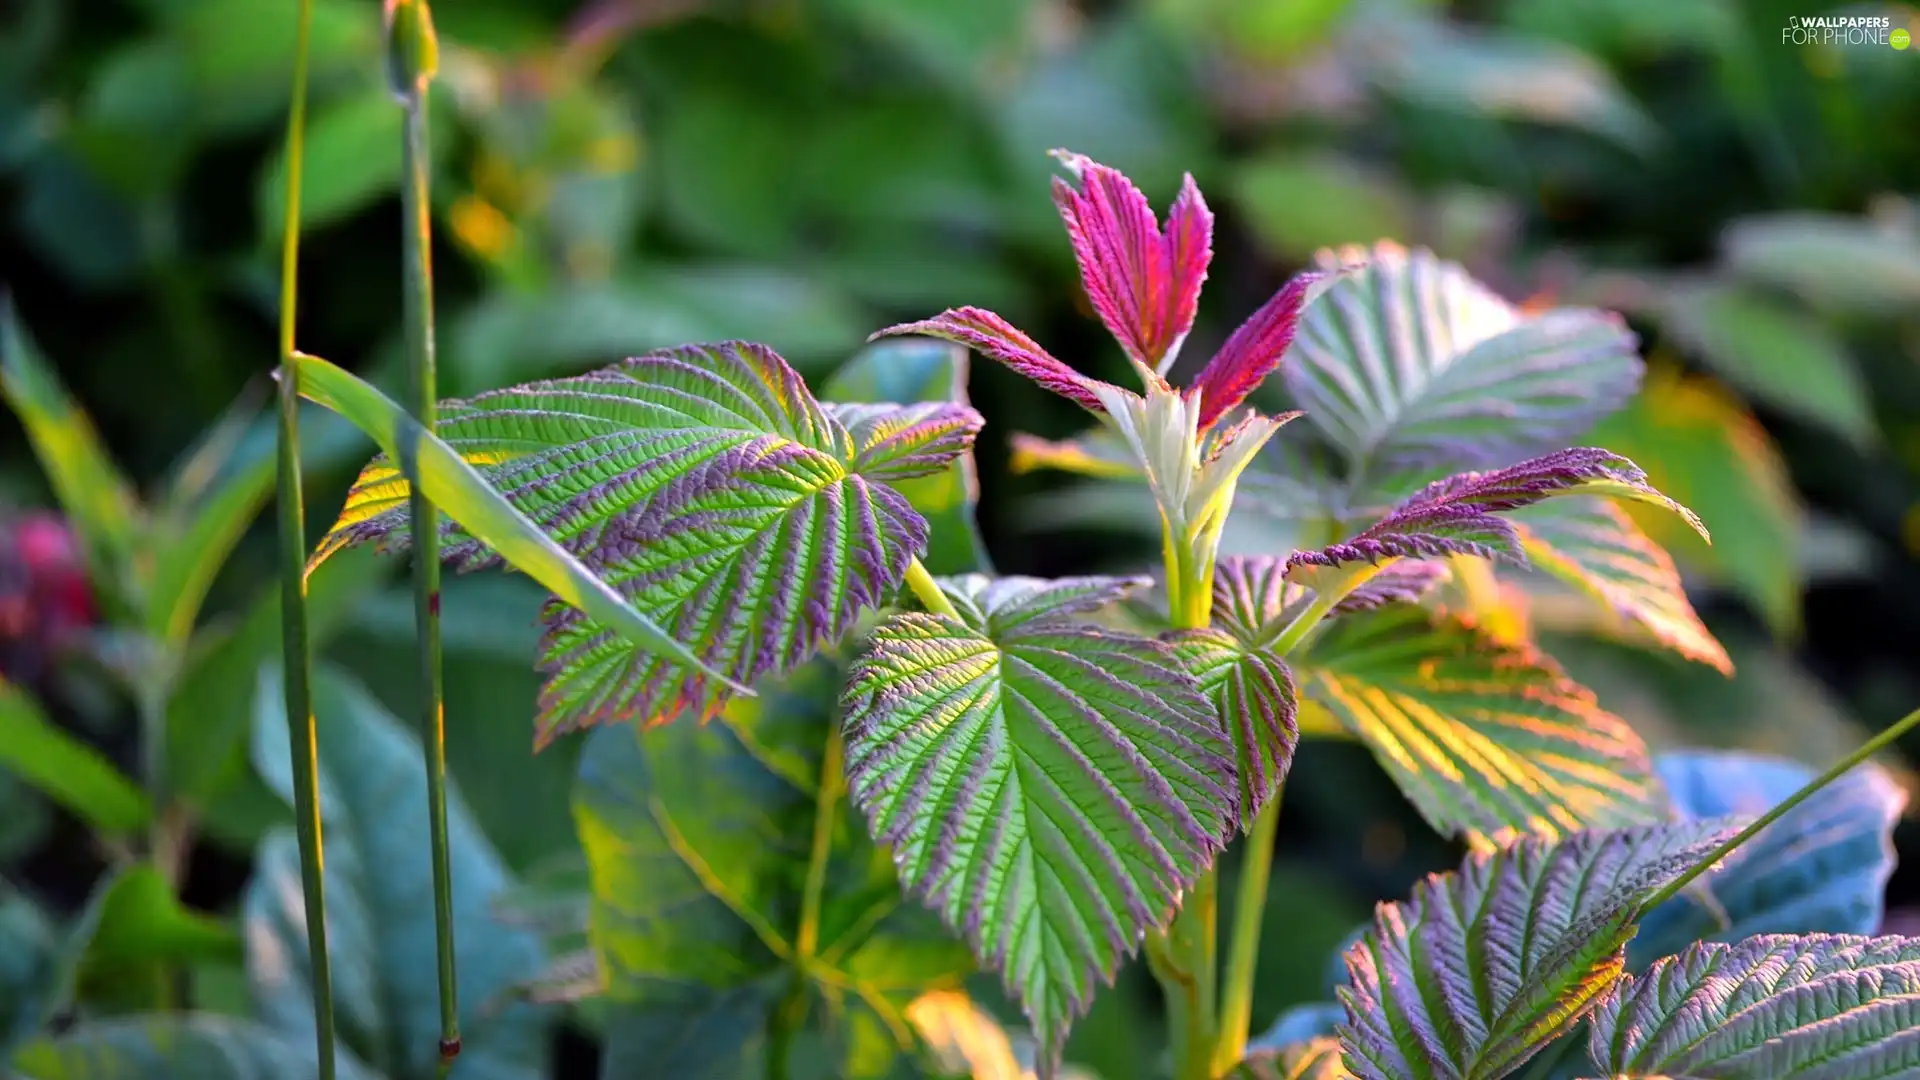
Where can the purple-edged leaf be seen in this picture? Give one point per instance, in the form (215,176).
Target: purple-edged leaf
(993,337)
(1457,516)
(1049,787)
(1006,603)
(901,442)
(1484,966)
(1405,582)
(1411,363)
(1250,592)
(1254,699)
(1251,354)
(1595,547)
(1144,283)
(1482,737)
(709,488)
(1773,1007)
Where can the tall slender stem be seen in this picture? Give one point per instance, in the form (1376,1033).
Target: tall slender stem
(293,581)
(1243,948)
(410,70)
(1840,768)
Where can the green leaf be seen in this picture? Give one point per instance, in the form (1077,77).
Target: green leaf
(1483,967)
(90,487)
(1049,787)
(142,931)
(1786,358)
(1315,1059)
(727,872)
(925,369)
(1774,1007)
(706,484)
(1298,202)
(185,1046)
(1483,737)
(380,912)
(464,495)
(1235,664)
(1407,363)
(352,161)
(1595,547)
(66,770)
(1699,446)
(1837,263)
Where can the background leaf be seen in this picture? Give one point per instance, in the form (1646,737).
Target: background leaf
(380,908)
(1836,263)
(1822,867)
(703,844)
(68,771)
(182,1047)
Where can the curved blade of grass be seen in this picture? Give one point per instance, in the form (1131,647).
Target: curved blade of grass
(66,770)
(456,488)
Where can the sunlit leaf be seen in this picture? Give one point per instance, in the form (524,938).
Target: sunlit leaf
(1481,736)
(183,1046)
(1314,1059)
(1595,547)
(1409,362)
(1774,1007)
(1048,786)
(67,770)
(1235,664)
(1101,452)
(925,371)
(701,844)
(1482,967)
(1822,867)
(380,911)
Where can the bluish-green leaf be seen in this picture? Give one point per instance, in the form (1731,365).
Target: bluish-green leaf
(1049,787)
(1821,868)
(1482,967)
(185,1046)
(1773,1007)
(27,951)
(380,907)
(925,369)
(705,845)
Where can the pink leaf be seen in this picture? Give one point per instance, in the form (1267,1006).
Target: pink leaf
(1144,284)
(990,335)
(1252,353)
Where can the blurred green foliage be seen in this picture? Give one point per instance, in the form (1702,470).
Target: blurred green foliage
(617,175)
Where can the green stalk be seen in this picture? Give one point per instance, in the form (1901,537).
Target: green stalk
(411,63)
(928,591)
(1840,768)
(1243,950)
(293,582)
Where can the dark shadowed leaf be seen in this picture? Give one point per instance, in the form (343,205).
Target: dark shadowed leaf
(380,910)
(1481,736)
(28,947)
(1822,867)
(186,1046)
(1048,786)
(703,844)
(1774,1007)
(1482,967)
(708,486)
(930,371)
(1236,665)
(1410,363)
(1595,547)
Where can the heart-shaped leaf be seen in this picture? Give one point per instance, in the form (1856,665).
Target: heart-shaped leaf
(924,370)
(1407,362)
(1235,664)
(1482,967)
(708,486)
(735,891)
(1048,786)
(1482,736)
(1822,867)
(185,1046)
(1773,1007)
(380,910)
(1595,547)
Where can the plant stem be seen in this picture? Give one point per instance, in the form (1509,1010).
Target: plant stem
(417,291)
(293,580)
(826,811)
(928,591)
(1840,768)
(1243,949)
